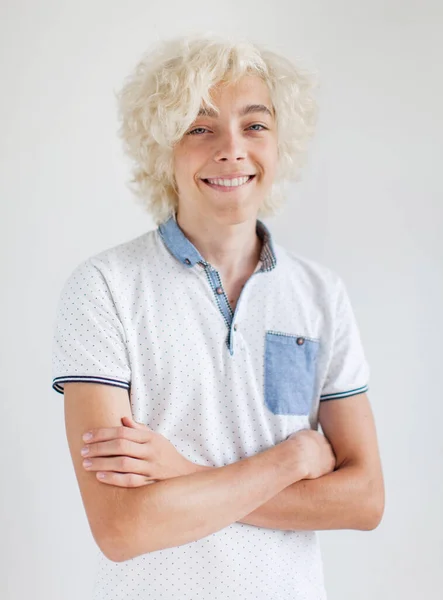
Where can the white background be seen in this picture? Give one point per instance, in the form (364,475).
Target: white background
(369,206)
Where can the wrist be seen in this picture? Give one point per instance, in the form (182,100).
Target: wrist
(192,467)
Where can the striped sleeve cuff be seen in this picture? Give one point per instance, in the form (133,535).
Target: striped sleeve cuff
(58,382)
(352,392)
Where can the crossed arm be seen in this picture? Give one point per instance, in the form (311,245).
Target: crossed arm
(258,490)
(352,496)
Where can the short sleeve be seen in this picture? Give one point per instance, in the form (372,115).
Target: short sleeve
(89,341)
(348,371)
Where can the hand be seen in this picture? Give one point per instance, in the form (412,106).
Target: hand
(133,455)
(315,452)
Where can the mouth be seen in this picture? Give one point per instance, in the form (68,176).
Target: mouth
(228,188)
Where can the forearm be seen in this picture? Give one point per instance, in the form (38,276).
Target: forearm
(338,500)
(186,508)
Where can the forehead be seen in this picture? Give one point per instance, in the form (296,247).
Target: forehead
(248,94)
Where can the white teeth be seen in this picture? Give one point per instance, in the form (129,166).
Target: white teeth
(229,182)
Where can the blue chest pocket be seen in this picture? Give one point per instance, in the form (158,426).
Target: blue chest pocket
(289,374)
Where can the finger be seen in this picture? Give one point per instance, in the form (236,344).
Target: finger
(120,464)
(117,447)
(103,434)
(124,480)
(130,422)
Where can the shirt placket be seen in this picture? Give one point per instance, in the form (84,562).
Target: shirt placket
(222,301)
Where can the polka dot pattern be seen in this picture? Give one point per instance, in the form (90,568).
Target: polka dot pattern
(148,316)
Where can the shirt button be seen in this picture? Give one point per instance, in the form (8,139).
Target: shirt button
(219,290)
(300,341)
(187,261)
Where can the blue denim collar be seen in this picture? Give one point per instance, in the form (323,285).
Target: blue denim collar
(182,248)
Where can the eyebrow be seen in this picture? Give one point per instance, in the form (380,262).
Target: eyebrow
(246,110)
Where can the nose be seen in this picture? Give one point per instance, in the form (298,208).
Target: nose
(230,147)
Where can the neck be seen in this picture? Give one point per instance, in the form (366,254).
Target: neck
(231,248)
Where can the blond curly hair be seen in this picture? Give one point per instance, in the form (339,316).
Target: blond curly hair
(161,98)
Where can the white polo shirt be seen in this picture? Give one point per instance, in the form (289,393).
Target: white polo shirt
(151,316)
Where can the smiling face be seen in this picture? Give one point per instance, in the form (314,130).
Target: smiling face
(228,148)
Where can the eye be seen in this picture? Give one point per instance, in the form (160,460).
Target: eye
(258,125)
(192,132)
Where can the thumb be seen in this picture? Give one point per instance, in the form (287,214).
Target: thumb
(129,422)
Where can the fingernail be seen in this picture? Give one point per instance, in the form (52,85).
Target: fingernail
(87,436)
